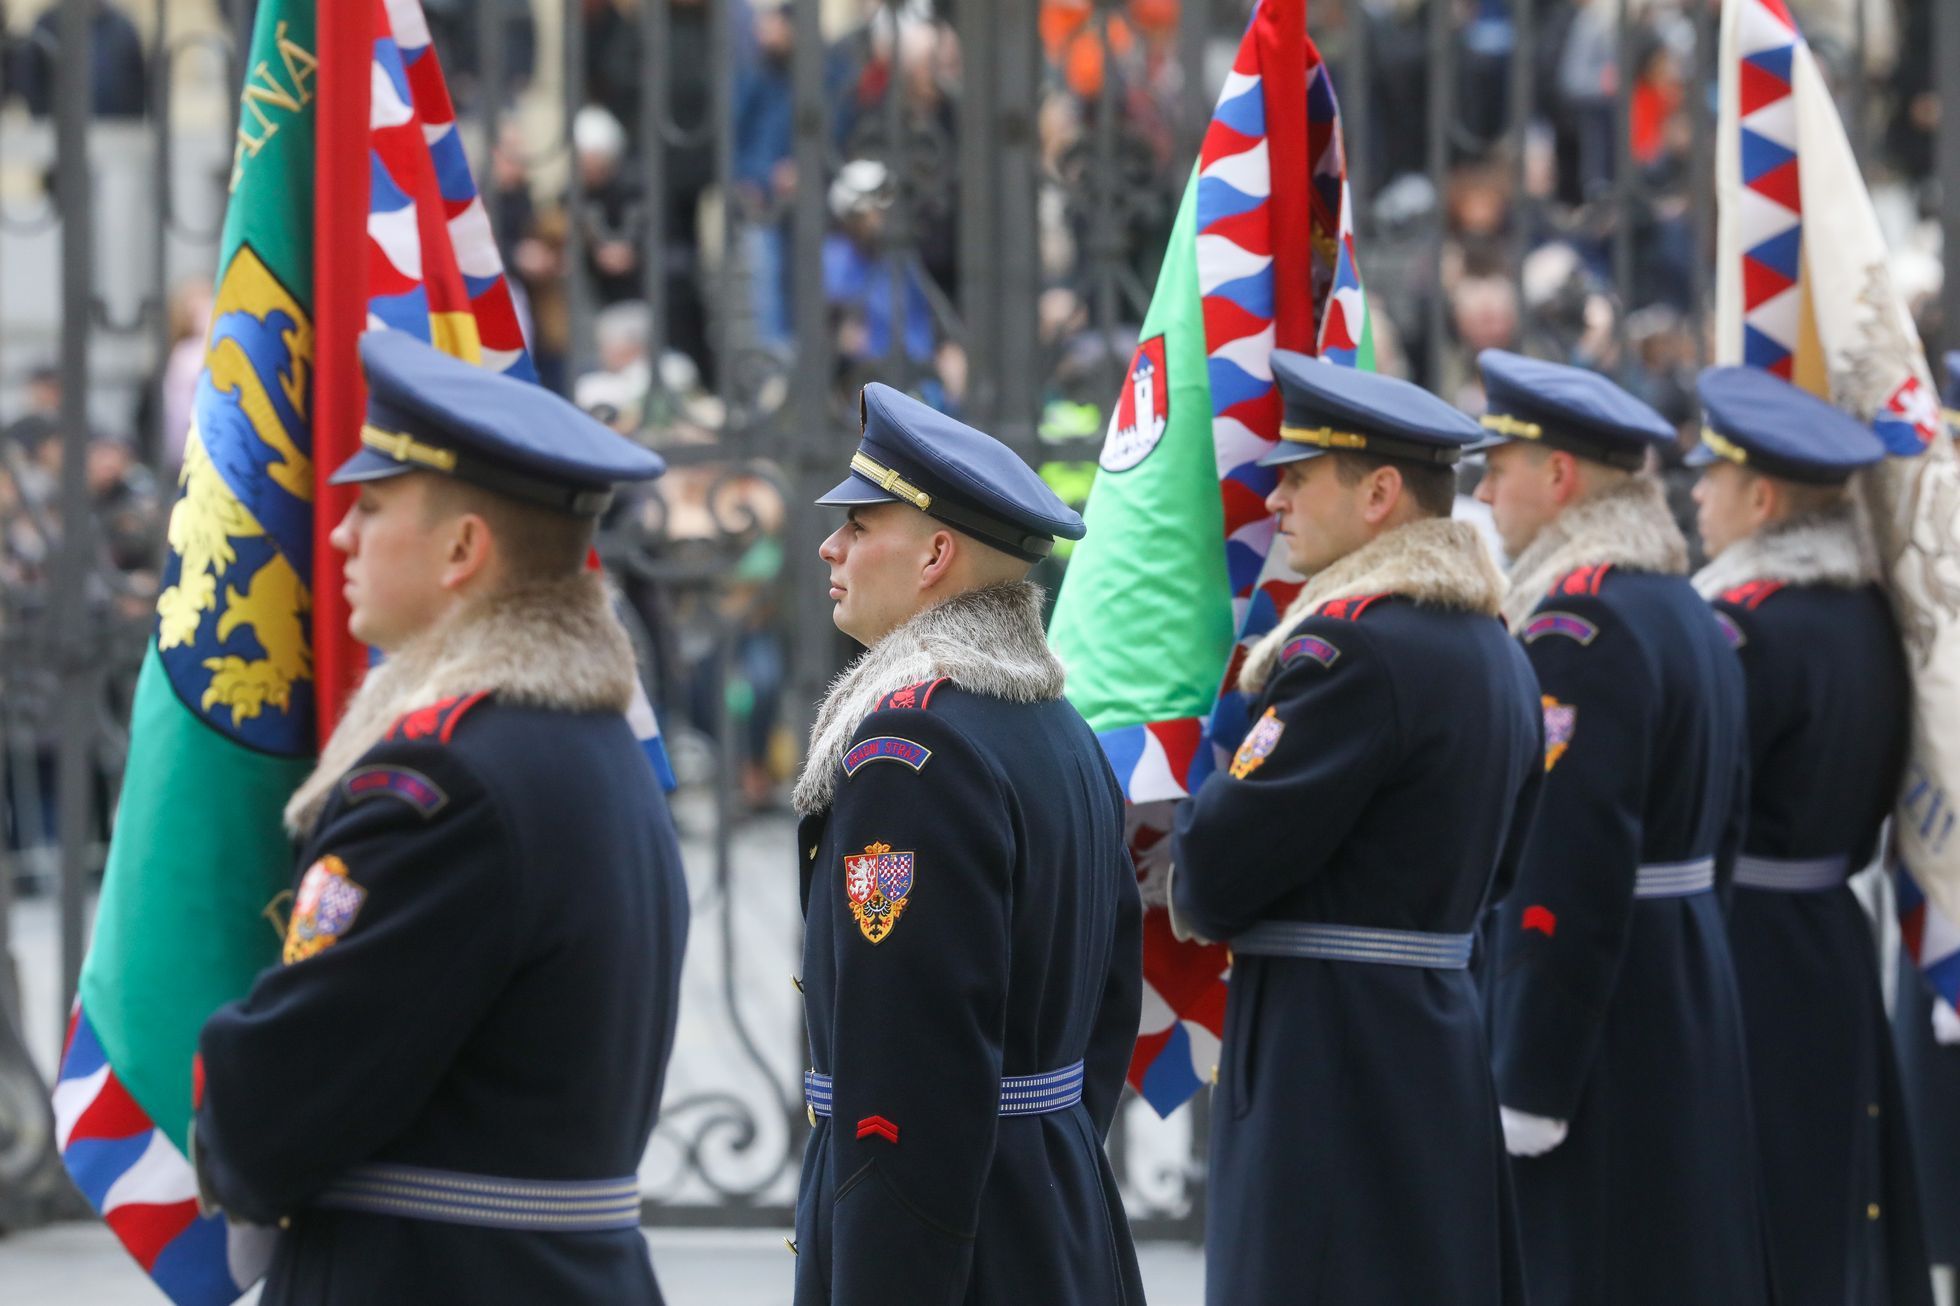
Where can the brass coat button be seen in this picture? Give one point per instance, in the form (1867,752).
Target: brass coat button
(791,1244)
(1871,1212)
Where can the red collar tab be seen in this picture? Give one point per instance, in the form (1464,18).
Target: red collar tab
(437,721)
(918,696)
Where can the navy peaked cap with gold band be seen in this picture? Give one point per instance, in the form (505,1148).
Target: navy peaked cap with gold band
(431,412)
(909,452)
(1328,408)
(1569,408)
(1762,422)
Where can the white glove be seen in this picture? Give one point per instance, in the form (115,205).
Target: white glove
(1526,1135)
(1946,1023)
(1181,927)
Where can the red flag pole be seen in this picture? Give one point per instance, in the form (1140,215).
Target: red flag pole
(340,212)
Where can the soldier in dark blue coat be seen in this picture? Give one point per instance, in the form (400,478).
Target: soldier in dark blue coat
(443,1092)
(1346,854)
(1617,1025)
(972,955)
(1928,1034)
(1794,584)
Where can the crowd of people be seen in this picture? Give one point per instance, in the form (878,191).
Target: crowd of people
(1529,230)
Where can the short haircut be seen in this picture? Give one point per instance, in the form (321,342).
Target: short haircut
(1802,499)
(536,543)
(1431,485)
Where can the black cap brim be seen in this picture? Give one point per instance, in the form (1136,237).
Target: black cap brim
(1291,451)
(853,491)
(1701,456)
(370,465)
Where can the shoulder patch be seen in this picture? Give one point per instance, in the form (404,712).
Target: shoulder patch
(1350,609)
(1731,629)
(914,696)
(878,882)
(405,783)
(437,721)
(1260,741)
(1751,596)
(1561,719)
(1586,580)
(887,748)
(324,909)
(1310,646)
(1569,624)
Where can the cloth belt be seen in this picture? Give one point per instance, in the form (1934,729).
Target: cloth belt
(1792,874)
(448,1197)
(1355,943)
(1020,1095)
(1675,879)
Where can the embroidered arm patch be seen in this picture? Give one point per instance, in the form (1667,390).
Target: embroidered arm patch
(878,883)
(1260,741)
(1310,646)
(325,909)
(405,783)
(1569,624)
(1560,721)
(887,748)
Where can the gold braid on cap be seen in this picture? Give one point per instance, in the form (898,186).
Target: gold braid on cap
(1511,428)
(890,481)
(1324,436)
(407,449)
(1722,447)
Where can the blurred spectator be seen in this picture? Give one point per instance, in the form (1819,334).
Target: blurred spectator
(860,274)
(611,217)
(455,29)
(167,404)
(617,392)
(765,168)
(118,75)
(1588,81)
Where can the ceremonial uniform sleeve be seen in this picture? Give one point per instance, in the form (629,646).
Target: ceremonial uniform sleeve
(1563,928)
(1114,1038)
(1270,823)
(920,1013)
(402,934)
(1769,705)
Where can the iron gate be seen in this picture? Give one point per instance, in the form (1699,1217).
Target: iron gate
(1028,159)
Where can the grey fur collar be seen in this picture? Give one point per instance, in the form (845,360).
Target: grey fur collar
(1437,561)
(1626,524)
(1825,548)
(556,645)
(987,640)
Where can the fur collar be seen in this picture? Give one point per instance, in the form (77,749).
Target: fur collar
(987,640)
(1438,562)
(1627,524)
(556,645)
(1824,548)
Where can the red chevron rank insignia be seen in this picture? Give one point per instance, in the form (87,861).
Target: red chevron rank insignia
(880,1127)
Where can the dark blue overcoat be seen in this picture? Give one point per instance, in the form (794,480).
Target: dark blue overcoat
(1613,1010)
(482,974)
(971,915)
(1828,715)
(1355,1148)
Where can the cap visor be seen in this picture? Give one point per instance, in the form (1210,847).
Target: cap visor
(854,489)
(1700,456)
(1290,451)
(368,465)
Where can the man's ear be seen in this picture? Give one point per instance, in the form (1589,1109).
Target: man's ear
(1385,489)
(942,550)
(471,550)
(1765,500)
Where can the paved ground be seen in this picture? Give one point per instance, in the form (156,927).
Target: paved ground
(81,1265)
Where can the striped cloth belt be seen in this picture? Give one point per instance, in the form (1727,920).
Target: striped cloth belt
(1325,942)
(1792,874)
(448,1197)
(1675,879)
(1020,1095)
